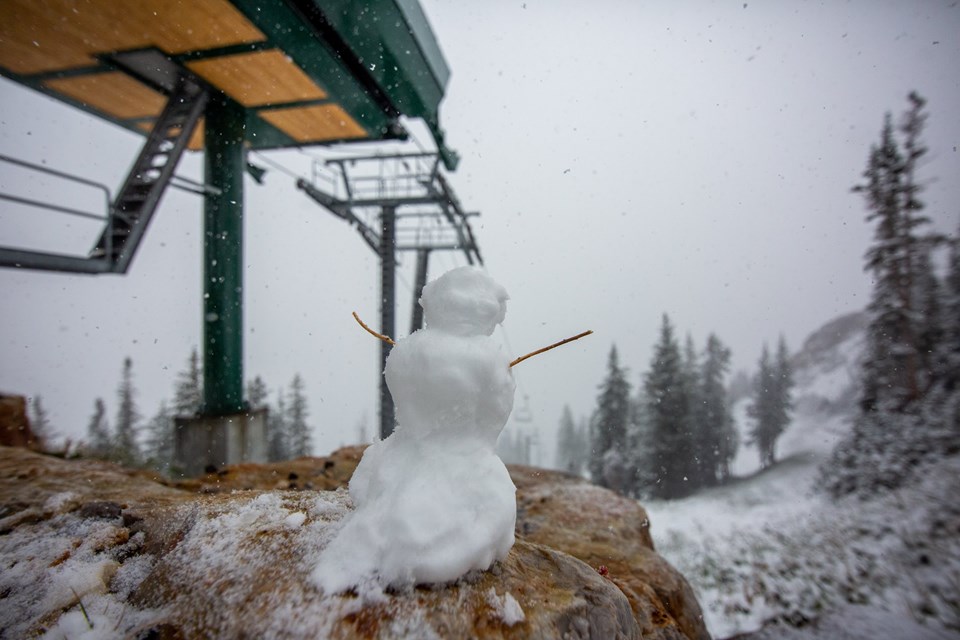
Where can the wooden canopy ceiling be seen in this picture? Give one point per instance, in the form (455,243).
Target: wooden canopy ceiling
(300,80)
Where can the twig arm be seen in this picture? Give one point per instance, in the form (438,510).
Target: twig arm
(386,339)
(552,346)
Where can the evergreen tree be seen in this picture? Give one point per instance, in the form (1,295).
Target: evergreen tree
(257,394)
(99,439)
(40,423)
(719,439)
(910,406)
(668,416)
(582,448)
(893,368)
(568,454)
(931,330)
(951,315)
(158,447)
(126,449)
(278,445)
(783,371)
(609,428)
(299,431)
(188,391)
(772,403)
(691,382)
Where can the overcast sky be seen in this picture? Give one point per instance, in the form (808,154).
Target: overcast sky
(628,159)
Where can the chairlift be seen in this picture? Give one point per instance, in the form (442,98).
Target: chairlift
(522,414)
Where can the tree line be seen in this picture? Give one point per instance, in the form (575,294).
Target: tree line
(676,434)
(134,442)
(909,410)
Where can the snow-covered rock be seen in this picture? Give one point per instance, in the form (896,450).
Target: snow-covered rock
(93,550)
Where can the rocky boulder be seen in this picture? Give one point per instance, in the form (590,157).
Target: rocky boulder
(14,423)
(89,547)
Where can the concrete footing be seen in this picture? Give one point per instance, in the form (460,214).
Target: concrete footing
(200,443)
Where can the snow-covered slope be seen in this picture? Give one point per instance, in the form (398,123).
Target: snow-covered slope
(767,547)
(825,373)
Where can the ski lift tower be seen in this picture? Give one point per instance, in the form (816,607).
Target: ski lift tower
(224,77)
(397,203)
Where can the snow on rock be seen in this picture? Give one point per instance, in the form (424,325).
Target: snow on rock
(505,607)
(433,501)
(152,561)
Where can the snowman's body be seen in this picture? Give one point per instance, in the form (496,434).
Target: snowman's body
(433,501)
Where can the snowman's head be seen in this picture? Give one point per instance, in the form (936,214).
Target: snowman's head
(464,302)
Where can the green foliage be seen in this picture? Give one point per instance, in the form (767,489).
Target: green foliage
(299,432)
(671,455)
(99,439)
(717,435)
(158,447)
(126,449)
(608,431)
(908,411)
(772,402)
(188,390)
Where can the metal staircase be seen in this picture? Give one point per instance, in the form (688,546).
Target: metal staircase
(137,200)
(128,216)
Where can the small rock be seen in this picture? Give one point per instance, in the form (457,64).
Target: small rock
(105,510)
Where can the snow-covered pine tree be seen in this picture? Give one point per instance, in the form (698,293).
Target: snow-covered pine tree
(639,447)
(910,410)
(893,368)
(691,382)
(668,408)
(278,445)
(188,390)
(783,370)
(772,402)
(99,439)
(609,427)
(927,301)
(719,439)
(951,316)
(126,449)
(158,447)
(299,431)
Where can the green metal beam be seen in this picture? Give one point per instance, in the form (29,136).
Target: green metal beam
(223,259)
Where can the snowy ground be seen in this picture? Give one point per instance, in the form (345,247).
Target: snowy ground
(767,548)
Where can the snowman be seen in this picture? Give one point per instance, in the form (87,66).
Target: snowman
(433,501)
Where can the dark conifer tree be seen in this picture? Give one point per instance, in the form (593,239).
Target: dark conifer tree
(719,440)
(158,447)
(299,431)
(909,403)
(188,391)
(668,410)
(99,439)
(608,465)
(951,318)
(893,368)
(257,393)
(278,445)
(772,402)
(127,450)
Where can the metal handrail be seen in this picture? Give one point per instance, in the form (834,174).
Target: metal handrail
(59,174)
(107,197)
